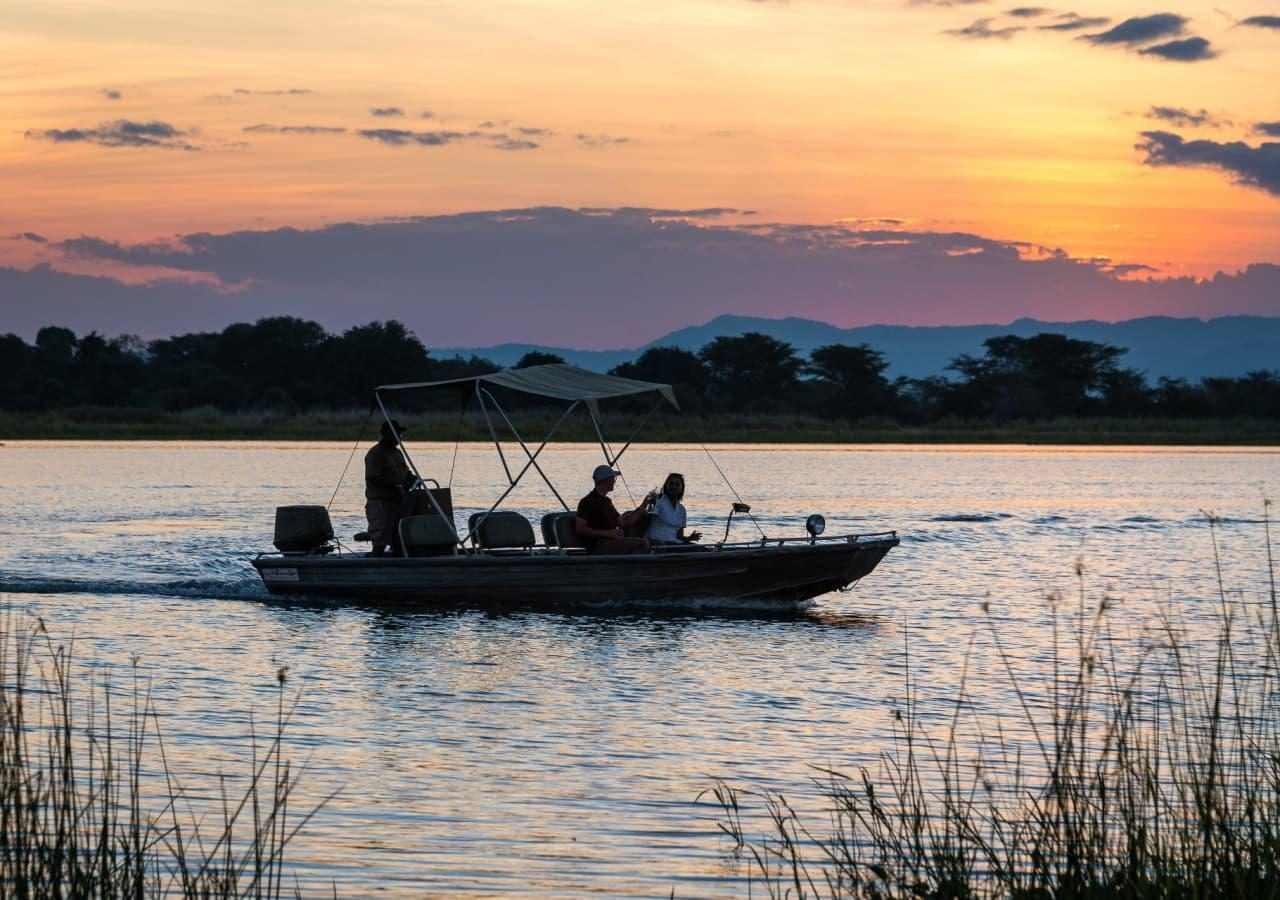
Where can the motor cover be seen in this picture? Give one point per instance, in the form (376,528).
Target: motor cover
(302,528)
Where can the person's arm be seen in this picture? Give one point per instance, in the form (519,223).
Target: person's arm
(683,519)
(583,530)
(633,516)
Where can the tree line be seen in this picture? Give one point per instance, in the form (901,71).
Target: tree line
(289,364)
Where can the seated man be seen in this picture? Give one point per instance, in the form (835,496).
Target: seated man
(599,524)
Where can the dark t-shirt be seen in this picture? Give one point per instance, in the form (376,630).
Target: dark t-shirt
(385,472)
(599,512)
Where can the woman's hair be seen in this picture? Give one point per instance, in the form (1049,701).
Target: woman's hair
(671,495)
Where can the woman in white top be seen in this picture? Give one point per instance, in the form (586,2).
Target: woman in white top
(668,517)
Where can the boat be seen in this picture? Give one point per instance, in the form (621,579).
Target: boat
(499,560)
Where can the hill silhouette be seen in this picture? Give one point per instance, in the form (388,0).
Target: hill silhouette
(1159,346)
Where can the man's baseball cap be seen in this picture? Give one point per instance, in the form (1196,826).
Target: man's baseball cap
(603,472)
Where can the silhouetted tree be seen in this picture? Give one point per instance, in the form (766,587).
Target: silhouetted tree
(1178,398)
(53,359)
(538,358)
(369,355)
(1043,376)
(1256,395)
(108,372)
(751,373)
(849,381)
(681,369)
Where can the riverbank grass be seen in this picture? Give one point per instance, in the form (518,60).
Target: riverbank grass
(1150,778)
(109,423)
(76,782)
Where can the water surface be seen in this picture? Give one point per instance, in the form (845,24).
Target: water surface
(561,753)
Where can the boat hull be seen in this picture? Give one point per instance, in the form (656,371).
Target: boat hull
(778,575)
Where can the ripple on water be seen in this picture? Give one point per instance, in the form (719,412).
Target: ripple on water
(561,752)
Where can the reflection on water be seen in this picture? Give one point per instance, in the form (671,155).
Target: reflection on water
(560,753)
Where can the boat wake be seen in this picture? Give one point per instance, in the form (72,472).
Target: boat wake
(201,588)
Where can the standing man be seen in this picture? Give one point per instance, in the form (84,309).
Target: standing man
(599,524)
(386,478)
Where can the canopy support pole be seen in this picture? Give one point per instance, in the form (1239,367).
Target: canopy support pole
(399,443)
(525,447)
(527,465)
(493,434)
(639,428)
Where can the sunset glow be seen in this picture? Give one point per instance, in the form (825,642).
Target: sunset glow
(134,121)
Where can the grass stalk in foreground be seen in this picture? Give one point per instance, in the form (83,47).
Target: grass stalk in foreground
(74,821)
(1150,778)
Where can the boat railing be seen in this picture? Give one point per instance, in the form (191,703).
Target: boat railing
(759,543)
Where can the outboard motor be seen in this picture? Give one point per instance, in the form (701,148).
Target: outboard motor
(302,529)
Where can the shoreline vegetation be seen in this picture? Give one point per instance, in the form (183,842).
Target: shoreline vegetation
(90,805)
(1148,767)
(288,379)
(117,423)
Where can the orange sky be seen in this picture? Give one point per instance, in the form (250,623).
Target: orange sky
(808,111)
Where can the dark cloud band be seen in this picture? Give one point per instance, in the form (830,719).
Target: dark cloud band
(120,133)
(1141,30)
(1185,118)
(1257,167)
(981,30)
(1192,49)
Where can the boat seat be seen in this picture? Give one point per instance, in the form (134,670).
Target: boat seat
(563,529)
(501,529)
(417,503)
(549,528)
(427,536)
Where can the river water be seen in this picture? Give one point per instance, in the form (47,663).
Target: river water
(561,753)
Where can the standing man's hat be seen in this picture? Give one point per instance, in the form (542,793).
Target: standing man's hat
(387,426)
(604,472)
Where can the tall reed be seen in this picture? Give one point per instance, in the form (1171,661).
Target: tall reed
(1155,777)
(76,779)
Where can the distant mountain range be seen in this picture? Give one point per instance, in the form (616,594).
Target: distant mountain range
(1158,346)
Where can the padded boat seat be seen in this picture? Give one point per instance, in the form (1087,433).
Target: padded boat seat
(549,528)
(561,525)
(427,536)
(501,529)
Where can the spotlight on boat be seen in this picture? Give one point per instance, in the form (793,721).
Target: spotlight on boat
(815,525)
(736,508)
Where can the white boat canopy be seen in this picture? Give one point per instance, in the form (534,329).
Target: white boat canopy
(558,381)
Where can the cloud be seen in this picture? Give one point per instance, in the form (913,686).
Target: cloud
(1262,21)
(427,114)
(944,2)
(283,92)
(111,93)
(536,132)
(505,142)
(1257,167)
(1192,49)
(1028,12)
(1270,129)
(1185,118)
(599,141)
(265,128)
(120,133)
(386,112)
(1141,30)
(1073,22)
(660,268)
(29,236)
(400,137)
(981,30)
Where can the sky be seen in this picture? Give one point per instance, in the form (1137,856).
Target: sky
(500,171)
